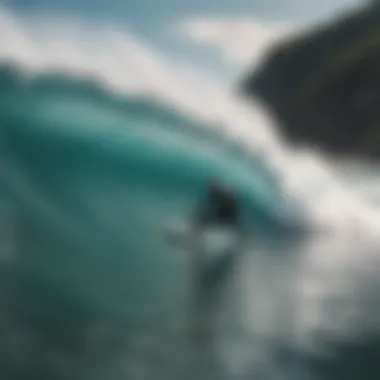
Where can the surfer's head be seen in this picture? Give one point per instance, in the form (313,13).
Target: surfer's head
(218,189)
(219,206)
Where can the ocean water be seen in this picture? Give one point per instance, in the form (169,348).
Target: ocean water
(91,181)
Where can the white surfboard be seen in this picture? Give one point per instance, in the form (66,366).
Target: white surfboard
(212,240)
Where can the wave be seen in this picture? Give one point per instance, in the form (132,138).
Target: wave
(79,127)
(90,183)
(127,65)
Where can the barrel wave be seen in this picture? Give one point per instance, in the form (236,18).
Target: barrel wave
(75,129)
(91,182)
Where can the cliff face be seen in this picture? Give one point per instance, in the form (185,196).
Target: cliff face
(324,87)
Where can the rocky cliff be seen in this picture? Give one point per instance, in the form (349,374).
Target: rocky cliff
(324,87)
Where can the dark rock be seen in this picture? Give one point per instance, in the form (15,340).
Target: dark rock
(323,87)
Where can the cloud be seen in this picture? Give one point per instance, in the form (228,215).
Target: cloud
(238,42)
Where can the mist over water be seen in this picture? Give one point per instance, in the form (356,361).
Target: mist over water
(91,181)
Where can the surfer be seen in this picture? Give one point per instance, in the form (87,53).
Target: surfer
(219,208)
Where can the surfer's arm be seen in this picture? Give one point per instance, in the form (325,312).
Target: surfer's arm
(195,224)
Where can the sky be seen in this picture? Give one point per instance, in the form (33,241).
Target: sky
(224,37)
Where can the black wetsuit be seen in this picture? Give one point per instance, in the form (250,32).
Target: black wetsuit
(218,208)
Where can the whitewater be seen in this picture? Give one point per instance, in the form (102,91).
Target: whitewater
(104,144)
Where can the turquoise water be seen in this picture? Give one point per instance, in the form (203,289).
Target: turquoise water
(90,184)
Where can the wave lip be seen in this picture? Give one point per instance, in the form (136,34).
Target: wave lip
(66,121)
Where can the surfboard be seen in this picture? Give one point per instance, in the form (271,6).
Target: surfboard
(212,240)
